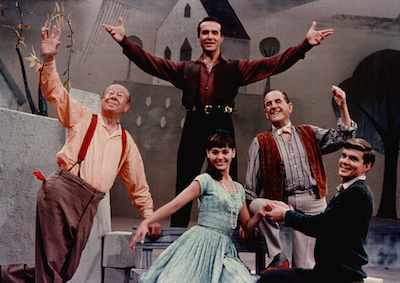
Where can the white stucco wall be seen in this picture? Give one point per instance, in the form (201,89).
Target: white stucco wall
(176,28)
(7,98)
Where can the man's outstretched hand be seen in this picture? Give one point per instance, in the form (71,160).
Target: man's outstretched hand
(315,37)
(117,33)
(50,43)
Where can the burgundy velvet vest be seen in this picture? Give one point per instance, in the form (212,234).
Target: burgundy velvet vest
(272,168)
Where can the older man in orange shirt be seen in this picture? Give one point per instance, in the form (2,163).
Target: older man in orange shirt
(96,151)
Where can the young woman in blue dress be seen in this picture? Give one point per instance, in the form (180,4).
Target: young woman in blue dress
(206,253)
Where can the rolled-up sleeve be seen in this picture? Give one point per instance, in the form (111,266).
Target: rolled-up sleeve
(331,140)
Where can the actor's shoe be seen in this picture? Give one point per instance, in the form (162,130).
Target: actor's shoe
(272,266)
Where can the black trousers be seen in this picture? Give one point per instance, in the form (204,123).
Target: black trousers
(192,153)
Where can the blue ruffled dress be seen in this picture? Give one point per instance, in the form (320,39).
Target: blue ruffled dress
(205,253)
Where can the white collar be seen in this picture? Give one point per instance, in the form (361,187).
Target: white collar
(351,182)
(285,129)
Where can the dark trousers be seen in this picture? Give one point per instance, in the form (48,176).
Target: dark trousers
(66,206)
(192,153)
(298,275)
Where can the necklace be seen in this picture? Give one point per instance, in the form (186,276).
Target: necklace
(232,203)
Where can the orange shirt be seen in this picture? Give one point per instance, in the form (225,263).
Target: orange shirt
(102,161)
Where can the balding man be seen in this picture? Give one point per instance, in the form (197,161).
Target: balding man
(96,151)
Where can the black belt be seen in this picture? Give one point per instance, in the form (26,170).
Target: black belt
(209,109)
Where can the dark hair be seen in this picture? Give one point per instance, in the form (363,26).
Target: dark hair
(220,139)
(210,19)
(364,146)
(281,91)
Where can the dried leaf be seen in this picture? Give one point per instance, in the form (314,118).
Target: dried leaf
(32,59)
(6,26)
(65,83)
(69,15)
(32,64)
(26,26)
(38,67)
(19,26)
(33,51)
(58,8)
(21,39)
(66,71)
(69,35)
(3,16)
(68,46)
(1,5)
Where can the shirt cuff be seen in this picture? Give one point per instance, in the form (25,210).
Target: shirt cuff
(147,213)
(49,67)
(124,41)
(286,211)
(344,128)
(306,46)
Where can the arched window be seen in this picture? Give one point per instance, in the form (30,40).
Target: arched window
(139,42)
(167,53)
(186,51)
(187,11)
(269,47)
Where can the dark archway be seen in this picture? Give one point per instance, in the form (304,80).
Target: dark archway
(373,95)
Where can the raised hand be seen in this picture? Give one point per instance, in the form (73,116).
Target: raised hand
(50,43)
(117,33)
(315,37)
(340,96)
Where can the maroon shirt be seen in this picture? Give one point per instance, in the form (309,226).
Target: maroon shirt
(211,90)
